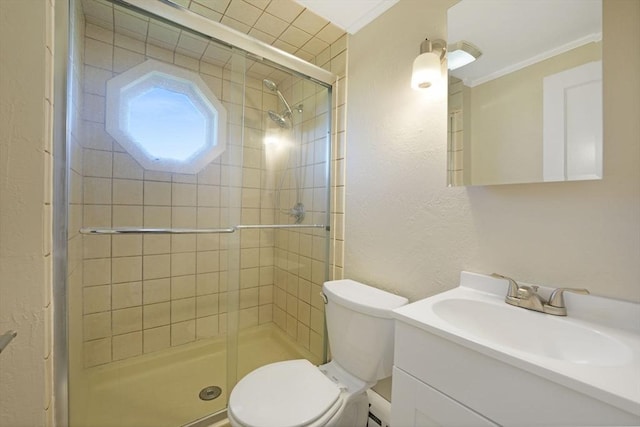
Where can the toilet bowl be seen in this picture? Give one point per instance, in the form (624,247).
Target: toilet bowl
(295,393)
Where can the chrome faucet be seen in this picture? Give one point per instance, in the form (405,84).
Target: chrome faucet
(527,297)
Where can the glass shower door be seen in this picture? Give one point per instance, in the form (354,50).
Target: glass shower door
(155,172)
(284,234)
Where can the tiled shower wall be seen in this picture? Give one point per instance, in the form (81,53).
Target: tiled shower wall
(145,293)
(301,255)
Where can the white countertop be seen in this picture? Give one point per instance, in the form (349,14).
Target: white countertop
(617,382)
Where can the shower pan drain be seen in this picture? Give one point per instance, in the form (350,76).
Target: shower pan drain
(210,393)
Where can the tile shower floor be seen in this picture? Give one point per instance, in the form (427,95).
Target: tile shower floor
(162,389)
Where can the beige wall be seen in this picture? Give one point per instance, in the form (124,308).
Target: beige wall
(25,211)
(406,231)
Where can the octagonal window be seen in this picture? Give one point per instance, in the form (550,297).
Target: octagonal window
(165,117)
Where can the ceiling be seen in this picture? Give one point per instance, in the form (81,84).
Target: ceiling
(516,33)
(350,15)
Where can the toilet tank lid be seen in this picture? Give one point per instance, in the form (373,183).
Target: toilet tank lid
(363,298)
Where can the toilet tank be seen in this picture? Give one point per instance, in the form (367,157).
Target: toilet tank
(360,328)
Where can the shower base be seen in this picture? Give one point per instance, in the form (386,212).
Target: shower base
(161,389)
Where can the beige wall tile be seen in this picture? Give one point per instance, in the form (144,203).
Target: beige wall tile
(127,216)
(183,332)
(124,166)
(249,297)
(265,313)
(156,339)
(96,216)
(183,243)
(183,263)
(183,217)
(155,315)
(127,345)
(97,191)
(126,295)
(304,313)
(127,192)
(96,246)
(183,309)
(126,269)
(97,325)
(97,163)
(208,261)
(96,299)
(97,352)
(292,326)
(156,266)
(209,218)
(93,108)
(248,317)
(183,287)
(96,271)
(126,245)
(157,193)
(265,295)
(184,194)
(206,305)
(303,336)
(207,327)
(98,54)
(124,59)
(126,320)
(157,216)
(156,244)
(157,290)
(207,283)
(249,277)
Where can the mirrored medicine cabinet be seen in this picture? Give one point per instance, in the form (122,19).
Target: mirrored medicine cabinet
(529,108)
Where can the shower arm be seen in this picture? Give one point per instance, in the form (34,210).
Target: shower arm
(288,111)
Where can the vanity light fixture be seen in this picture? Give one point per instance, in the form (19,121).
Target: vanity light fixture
(426,67)
(461,53)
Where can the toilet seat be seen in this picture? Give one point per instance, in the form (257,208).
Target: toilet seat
(293,393)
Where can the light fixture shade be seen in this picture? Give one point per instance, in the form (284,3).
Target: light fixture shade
(426,70)
(462,53)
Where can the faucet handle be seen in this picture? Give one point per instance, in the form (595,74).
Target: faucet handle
(557,296)
(512,291)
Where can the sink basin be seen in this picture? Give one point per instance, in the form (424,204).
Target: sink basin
(530,332)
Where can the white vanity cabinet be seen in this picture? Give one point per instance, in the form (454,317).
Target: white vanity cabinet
(416,404)
(438,382)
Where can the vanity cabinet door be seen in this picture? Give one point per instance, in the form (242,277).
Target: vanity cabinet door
(416,404)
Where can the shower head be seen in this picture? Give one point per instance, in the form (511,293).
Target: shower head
(273,87)
(279,119)
(270,84)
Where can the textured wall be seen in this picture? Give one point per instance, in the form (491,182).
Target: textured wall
(25,211)
(406,231)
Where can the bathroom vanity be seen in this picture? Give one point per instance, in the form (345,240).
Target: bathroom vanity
(464,357)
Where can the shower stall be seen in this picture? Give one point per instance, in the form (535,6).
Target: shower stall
(196,184)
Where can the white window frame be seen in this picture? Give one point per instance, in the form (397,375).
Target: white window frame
(151,74)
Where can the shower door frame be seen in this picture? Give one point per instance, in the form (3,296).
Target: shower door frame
(179,16)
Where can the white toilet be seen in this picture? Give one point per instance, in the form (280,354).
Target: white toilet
(296,393)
